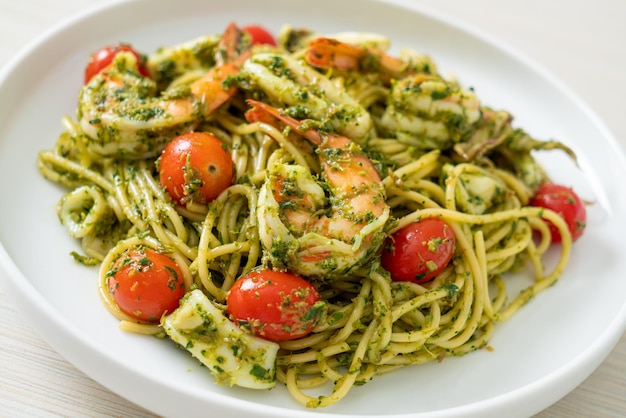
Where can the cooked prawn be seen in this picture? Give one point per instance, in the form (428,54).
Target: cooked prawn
(120,112)
(296,228)
(296,39)
(287,81)
(368,57)
(429,112)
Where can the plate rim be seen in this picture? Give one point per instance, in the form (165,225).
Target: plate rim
(23,290)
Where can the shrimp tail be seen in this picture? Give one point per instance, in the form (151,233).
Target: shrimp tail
(260,110)
(327,53)
(331,53)
(213,89)
(233,44)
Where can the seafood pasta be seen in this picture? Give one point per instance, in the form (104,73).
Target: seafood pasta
(308,209)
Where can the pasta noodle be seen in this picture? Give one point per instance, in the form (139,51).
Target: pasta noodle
(374,325)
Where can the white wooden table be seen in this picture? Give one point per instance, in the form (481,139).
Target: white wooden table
(581,42)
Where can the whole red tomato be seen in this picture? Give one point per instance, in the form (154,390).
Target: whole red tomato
(195,167)
(419,251)
(276,305)
(146,284)
(564,201)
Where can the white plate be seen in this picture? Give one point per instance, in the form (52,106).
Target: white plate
(541,354)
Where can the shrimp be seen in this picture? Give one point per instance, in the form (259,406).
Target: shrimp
(297,230)
(368,57)
(297,39)
(425,111)
(429,112)
(422,108)
(232,51)
(122,116)
(287,81)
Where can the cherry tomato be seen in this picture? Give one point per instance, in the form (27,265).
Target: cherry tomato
(259,35)
(419,251)
(101,59)
(146,284)
(274,305)
(564,201)
(195,167)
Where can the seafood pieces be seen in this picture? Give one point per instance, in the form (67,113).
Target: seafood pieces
(312,234)
(122,115)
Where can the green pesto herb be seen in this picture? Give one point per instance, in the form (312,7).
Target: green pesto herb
(260,373)
(335,317)
(316,312)
(298,112)
(452,290)
(172,272)
(144,261)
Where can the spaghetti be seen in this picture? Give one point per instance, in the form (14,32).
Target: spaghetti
(440,153)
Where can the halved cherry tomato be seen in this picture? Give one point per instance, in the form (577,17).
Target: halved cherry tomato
(195,166)
(259,35)
(275,305)
(564,201)
(100,59)
(419,251)
(146,284)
